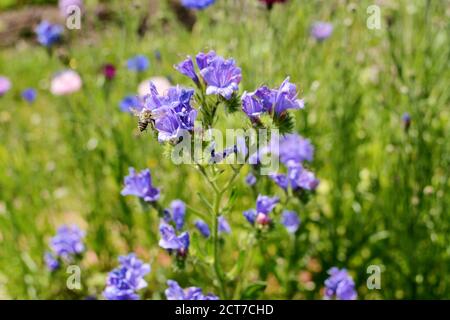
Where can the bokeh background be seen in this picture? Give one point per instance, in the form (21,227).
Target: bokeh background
(384,192)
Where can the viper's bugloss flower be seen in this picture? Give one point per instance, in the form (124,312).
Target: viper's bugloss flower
(186,67)
(265,204)
(65,6)
(340,285)
(221,76)
(123,282)
(175,292)
(300,178)
(65,82)
(109,71)
(203,228)
(51,261)
(172,112)
(204,59)
(140,185)
(265,100)
(285,98)
(197,4)
(280,179)
(321,30)
(250,179)
(176,213)
(295,148)
(138,63)
(170,241)
(130,103)
(260,216)
(252,105)
(29,95)
(224,226)
(5,85)
(290,220)
(67,243)
(48,33)
(250,215)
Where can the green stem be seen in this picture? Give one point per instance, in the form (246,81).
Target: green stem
(217,269)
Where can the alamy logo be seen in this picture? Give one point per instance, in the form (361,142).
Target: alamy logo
(374,280)
(374,19)
(73,20)
(74,280)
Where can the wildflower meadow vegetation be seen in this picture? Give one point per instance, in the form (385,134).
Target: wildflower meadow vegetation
(224,149)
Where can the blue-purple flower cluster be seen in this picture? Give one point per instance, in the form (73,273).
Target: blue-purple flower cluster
(221,76)
(48,34)
(138,63)
(65,246)
(175,292)
(260,215)
(124,282)
(172,113)
(293,151)
(271,101)
(140,185)
(340,285)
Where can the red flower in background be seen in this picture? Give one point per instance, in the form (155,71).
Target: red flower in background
(109,71)
(270,3)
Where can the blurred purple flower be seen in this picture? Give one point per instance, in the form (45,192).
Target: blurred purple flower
(197,4)
(5,85)
(224,226)
(290,220)
(68,242)
(340,285)
(280,179)
(321,30)
(130,103)
(265,204)
(300,178)
(138,63)
(48,33)
(51,261)
(175,292)
(140,185)
(221,76)
(406,118)
(29,95)
(123,282)
(295,148)
(250,179)
(203,227)
(250,215)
